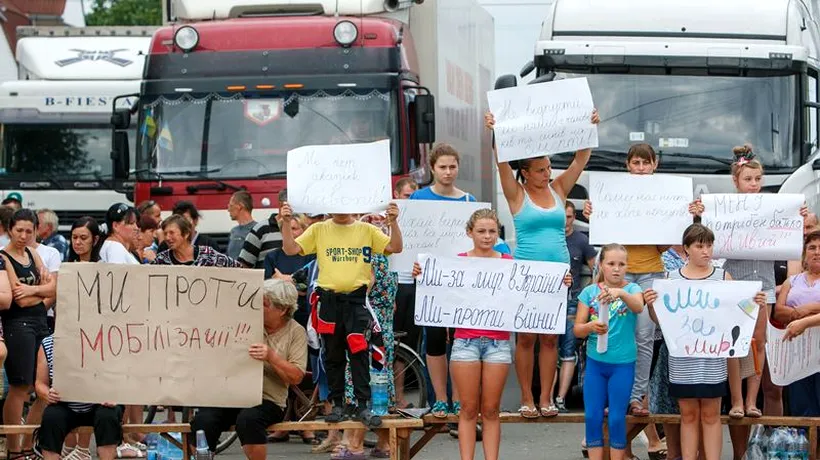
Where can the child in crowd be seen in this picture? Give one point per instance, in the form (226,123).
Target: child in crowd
(344,249)
(699,383)
(610,373)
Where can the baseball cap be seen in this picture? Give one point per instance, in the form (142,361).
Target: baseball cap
(16,196)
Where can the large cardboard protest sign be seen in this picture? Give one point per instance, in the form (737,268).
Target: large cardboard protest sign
(793,360)
(494,294)
(349,178)
(707,319)
(755,226)
(433,227)
(639,209)
(543,119)
(156,334)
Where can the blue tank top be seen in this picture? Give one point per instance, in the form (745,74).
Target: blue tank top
(540,233)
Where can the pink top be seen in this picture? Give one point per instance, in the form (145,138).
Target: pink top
(479,333)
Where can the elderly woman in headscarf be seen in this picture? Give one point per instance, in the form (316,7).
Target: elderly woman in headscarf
(284,354)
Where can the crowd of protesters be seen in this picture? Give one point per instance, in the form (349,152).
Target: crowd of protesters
(320,310)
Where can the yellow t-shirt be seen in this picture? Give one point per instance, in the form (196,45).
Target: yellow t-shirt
(290,343)
(343,252)
(643,259)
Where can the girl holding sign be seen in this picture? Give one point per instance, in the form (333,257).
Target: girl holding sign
(537,206)
(480,359)
(699,383)
(607,315)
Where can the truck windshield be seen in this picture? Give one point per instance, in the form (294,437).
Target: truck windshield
(75,151)
(694,121)
(239,136)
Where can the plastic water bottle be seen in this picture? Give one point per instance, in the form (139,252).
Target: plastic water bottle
(378,392)
(162,448)
(603,339)
(803,445)
(778,445)
(151,442)
(175,452)
(202,451)
(792,449)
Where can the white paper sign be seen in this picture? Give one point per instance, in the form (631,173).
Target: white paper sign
(639,209)
(707,319)
(543,119)
(349,178)
(755,226)
(494,294)
(433,227)
(795,360)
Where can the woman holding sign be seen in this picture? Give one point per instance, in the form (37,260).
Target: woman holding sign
(537,206)
(699,383)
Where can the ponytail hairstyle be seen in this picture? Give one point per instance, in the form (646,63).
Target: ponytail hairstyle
(482,214)
(599,278)
(744,158)
(522,165)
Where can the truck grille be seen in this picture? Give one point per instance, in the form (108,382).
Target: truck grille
(67,218)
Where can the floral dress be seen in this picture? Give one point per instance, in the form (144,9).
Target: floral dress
(382,298)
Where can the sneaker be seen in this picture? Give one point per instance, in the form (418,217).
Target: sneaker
(369,420)
(79,453)
(561,404)
(337,414)
(66,451)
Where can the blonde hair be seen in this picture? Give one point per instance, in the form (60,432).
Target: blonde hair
(744,158)
(599,278)
(482,214)
(282,295)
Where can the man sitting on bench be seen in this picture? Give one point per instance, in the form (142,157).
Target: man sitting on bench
(285,356)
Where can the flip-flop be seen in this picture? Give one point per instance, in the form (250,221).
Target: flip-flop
(659,454)
(347,454)
(439,409)
(636,410)
(549,411)
(530,412)
(736,413)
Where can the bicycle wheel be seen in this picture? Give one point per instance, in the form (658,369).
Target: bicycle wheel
(225,439)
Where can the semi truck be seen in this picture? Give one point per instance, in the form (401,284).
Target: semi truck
(692,78)
(231,86)
(55,135)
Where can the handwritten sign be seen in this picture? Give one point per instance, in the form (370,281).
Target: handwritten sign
(350,178)
(794,360)
(434,227)
(755,226)
(494,294)
(149,334)
(543,119)
(707,319)
(639,209)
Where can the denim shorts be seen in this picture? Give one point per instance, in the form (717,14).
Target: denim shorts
(483,349)
(567,342)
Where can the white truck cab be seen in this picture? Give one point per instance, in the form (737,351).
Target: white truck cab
(693,78)
(55,137)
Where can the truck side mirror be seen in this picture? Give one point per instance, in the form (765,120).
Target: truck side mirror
(120,155)
(506,81)
(121,119)
(425,111)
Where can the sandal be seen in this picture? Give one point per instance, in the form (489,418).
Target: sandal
(736,413)
(549,411)
(326,446)
(584,450)
(379,453)
(277,439)
(753,412)
(126,450)
(636,410)
(529,412)
(439,409)
(659,454)
(347,454)
(456,408)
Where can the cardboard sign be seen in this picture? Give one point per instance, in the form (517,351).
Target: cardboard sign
(707,319)
(152,334)
(543,119)
(493,294)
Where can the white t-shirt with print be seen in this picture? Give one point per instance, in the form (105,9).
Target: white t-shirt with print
(113,252)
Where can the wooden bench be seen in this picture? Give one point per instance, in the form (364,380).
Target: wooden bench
(434,426)
(163,430)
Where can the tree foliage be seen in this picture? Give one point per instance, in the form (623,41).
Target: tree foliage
(125,13)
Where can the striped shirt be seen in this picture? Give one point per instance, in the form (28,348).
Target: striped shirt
(697,371)
(262,239)
(48,349)
(753,270)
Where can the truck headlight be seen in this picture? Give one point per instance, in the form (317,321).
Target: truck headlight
(345,33)
(186,38)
